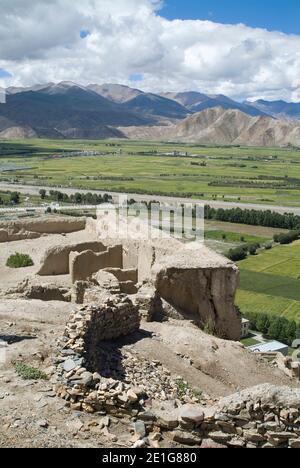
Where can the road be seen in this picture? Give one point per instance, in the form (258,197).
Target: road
(34,190)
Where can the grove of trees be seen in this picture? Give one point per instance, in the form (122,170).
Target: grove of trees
(77,198)
(275,327)
(266,218)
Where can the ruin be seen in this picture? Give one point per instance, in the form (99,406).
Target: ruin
(198,283)
(11,231)
(125,299)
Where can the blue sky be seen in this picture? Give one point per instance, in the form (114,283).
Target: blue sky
(4,73)
(279,15)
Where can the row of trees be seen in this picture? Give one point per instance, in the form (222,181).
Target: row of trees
(288,237)
(275,327)
(11,198)
(77,198)
(266,218)
(241,252)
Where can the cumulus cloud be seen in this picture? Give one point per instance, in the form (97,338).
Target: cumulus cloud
(44,41)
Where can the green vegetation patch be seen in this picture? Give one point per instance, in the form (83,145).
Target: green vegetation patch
(273,285)
(249,342)
(234,237)
(249,175)
(270,283)
(29,373)
(19,260)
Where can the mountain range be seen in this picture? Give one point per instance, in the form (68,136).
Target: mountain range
(69,110)
(224,127)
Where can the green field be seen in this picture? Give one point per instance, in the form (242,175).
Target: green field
(233,237)
(257,175)
(270,282)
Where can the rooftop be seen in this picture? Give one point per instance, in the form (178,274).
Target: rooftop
(271,347)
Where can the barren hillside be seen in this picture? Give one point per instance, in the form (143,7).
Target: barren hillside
(226,127)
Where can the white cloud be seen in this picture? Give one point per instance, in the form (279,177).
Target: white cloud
(40,42)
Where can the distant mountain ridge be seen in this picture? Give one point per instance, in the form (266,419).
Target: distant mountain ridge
(69,110)
(278,109)
(197,102)
(225,127)
(147,104)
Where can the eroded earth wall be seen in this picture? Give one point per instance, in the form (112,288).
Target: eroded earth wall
(31,229)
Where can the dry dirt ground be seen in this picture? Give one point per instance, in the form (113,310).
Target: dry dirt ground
(30,413)
(32,327)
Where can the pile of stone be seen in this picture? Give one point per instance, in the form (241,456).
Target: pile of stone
(151,378)
(262,417)
(96,374)
(92,374)
(77,378)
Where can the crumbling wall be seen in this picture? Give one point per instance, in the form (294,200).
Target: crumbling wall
(197,282)
(32,229)
(148,302)
(48,292)
(201,284)
(78,374)
(56,259)
(83,265)
(123,274)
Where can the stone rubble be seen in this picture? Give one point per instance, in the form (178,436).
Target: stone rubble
(94,373)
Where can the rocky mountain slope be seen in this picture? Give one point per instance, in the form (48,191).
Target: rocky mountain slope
(197,102)
(64,110)
(149,105)
(278,109)
(226,127)
(68,110)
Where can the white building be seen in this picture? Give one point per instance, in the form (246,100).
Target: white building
(245,328)
(271,347)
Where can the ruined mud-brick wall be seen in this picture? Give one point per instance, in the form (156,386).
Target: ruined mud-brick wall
(34,228)
(202,285)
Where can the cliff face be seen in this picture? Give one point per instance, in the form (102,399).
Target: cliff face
(202,285)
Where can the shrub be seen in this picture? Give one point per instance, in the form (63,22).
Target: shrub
(269,247)
(19,261)
(252,250)
(29,373)
(287,238)
(237,254)
(209,328)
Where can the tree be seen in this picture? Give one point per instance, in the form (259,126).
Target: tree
(291,332)
(275,328)
(252,250)
(78,198)
(237,254)
(43,194)
(263,323)
(15,198)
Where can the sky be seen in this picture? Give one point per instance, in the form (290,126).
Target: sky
(243,49)
(274,15)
